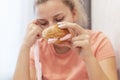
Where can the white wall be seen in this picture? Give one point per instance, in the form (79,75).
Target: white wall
(14,16)
(106,18)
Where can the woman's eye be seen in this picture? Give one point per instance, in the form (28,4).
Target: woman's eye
(44,24)
(59,19)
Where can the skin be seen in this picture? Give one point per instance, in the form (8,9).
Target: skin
(55,12)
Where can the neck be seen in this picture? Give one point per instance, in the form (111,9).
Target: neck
(61,49)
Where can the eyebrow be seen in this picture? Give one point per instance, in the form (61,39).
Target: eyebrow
(41,19)
(58,14)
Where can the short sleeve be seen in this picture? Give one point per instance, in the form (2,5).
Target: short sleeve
(104,47)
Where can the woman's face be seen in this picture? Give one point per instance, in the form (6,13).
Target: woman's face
(54,11)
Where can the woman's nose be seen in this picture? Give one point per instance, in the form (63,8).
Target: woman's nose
(52,23)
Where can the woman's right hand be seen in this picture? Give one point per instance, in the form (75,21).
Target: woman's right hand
(32,34)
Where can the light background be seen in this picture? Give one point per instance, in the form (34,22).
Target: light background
(14,17)
(16,14)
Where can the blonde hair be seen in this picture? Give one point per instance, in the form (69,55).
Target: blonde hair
(73,4)
(82,15)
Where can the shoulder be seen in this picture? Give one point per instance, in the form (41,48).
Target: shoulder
(98,38)
(101,45)
(96,35)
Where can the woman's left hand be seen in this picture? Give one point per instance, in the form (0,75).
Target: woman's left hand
(80,41)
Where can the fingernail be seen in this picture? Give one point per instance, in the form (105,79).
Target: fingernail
(52,40)
(66,37)
(61,25)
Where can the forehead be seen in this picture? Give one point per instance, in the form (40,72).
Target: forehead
(51,7)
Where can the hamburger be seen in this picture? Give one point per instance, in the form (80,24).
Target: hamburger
(54,32)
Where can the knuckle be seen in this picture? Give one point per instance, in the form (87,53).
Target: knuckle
(86,42)
(74,24)
(87,36)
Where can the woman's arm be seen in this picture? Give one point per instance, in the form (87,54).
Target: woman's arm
(22,71)
(27,71)
(103,70)
(109,67)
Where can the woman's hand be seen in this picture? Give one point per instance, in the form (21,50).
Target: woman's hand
(33,33)
(80,41)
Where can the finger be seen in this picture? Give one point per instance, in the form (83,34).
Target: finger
(71,31)
(34,27)
(81,37)
(36,31)
(33,21)
(36,21)
(80,43)
(52,40)
(66,37)
(73,26)
(32,24)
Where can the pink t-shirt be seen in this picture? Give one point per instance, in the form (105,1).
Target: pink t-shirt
(69,66)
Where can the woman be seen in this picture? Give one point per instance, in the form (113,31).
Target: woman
(90,58)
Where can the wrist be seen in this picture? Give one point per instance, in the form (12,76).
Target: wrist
(24,49)
(25,46)
(88,59)
(27,43)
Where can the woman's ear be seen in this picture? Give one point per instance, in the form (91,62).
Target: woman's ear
(75,15)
